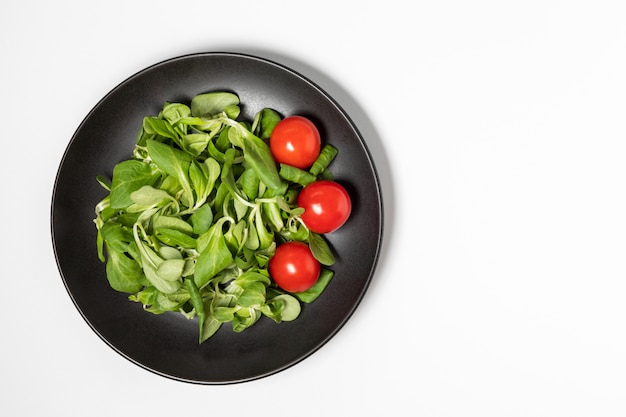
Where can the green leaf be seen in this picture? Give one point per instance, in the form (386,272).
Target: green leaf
(265,122)
(320,249)
(195,143)
(259,158)
(210,104)
(123,273)
(129,176)
(170,185)
(202,219)
(252,276)
(257,153)
(326,156)
(215,153)
(190,266)
(198,304)
(232,111)
(210,327)
(163,285)
(203,177)
(150,262)
(252,241)
(147,296)
(249,183)
(168,252)
(212,171)
(173,112)
(116,236)
(283,307)
(103,182)
(244,318)
(263,256)
(273,213)
(170,302)
(223,140)
(297,175)
(173,162)
(218,202)
(227,175)
(225,314)
(171,269)
(174,237)
(234,237)
(266,237)
(155,302)
(198,179)
(171,222)
(148,196)
(212,303)
(253,295)
(241,209)
(154,125)
(312,293)
(300,233)
(214,257)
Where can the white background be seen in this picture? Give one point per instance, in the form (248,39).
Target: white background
(499,132)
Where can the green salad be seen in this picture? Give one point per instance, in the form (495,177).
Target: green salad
(191,220)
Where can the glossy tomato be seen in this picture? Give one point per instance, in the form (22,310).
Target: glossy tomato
(293,267)
(326,204)
(295,141)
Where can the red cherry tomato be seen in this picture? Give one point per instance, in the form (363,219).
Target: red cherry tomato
(295,141)
(326,204)
(293,267)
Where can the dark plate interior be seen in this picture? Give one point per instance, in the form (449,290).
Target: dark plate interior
(167,344)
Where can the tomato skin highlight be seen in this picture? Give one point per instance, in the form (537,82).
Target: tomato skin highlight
(327,206)
(293,267)
(295,141)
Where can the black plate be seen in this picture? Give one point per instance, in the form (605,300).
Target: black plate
(167,344)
